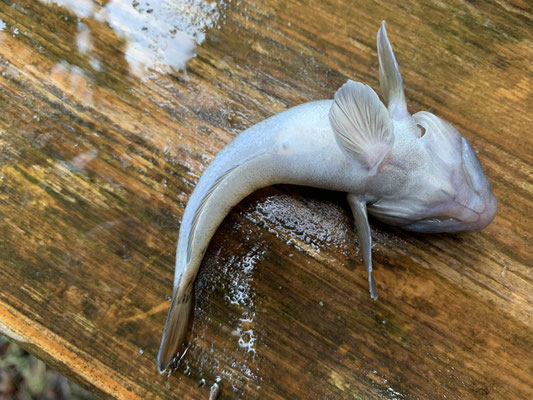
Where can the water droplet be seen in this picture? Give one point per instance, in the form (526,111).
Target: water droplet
(504,270)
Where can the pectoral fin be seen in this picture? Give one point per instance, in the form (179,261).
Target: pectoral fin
(365,239)
(361,124)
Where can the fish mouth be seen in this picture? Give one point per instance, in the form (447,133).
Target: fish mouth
(470,220)
(435,225)
(450,216)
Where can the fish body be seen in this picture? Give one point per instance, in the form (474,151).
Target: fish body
(293,147)
(413,171)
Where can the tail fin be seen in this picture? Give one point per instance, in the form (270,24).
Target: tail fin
(175,329)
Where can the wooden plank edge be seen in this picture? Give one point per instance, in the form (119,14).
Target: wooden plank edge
(53,349)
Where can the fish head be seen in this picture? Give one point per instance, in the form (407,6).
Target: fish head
(435,180)
(463,200)
(444,187)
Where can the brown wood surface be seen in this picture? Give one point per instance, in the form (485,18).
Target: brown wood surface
(97,164)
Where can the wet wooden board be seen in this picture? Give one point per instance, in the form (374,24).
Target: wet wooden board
(98,159)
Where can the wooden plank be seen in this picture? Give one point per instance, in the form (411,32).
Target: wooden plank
(97,164)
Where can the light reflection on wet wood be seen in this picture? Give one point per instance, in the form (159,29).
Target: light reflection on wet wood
(97,164)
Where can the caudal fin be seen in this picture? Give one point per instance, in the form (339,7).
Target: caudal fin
(175,329)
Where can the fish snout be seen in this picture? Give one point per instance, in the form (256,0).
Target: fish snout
(488,213)
(475,193)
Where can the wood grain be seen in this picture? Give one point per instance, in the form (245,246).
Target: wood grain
(97,164)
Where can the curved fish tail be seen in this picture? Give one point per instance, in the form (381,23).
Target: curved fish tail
(175,330)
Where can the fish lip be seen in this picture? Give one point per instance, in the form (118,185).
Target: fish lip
(435,225)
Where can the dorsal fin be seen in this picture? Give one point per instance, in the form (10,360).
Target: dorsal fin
(361,124)
(390,79)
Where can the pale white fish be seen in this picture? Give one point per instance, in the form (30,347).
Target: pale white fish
(413,171)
